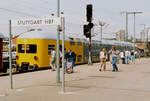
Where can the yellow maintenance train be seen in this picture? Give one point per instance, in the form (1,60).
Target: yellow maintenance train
(33,49)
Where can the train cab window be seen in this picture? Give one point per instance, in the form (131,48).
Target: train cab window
(50,47)
(31,48)
(21,48)
(79,42)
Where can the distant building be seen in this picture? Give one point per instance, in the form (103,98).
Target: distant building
(120,35)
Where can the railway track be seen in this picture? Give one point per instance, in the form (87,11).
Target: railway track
(17,72)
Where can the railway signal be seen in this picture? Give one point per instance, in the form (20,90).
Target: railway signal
(86,30)
(90,25)
(89,12)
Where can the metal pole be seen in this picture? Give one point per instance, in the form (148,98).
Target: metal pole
(101,32)
(10,57)
(147,35)
(146,43)
(58,38)
(134,31)
(144,31)
(90,51)
(63,46)
(126,26)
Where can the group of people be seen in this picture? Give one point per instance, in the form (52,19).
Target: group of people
(103,57)
(126,58)
(69,57)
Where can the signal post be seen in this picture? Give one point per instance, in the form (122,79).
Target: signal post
(87,29)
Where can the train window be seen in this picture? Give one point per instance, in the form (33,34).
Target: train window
(79,42)
(21,48)
(79,58)
(31,48)
(72,42)
(50,47)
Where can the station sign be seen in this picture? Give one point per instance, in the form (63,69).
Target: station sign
(37,21)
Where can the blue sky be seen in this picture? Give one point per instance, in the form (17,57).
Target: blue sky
(108,11)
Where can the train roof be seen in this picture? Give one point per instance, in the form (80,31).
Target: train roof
(53,35)
(38,35)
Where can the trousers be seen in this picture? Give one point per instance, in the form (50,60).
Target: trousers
(114,61)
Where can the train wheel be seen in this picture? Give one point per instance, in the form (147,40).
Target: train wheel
(21,71)
(26,69)
(35,67)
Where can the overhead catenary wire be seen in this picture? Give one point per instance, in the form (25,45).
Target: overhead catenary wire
(37,8)
(39,5)
(18,12)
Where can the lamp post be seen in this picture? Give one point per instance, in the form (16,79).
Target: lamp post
(147,31)
(143,36)
(102,24)
(147,47)
(134,13)
(126,29)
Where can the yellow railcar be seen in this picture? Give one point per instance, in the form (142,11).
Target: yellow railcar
(33,49)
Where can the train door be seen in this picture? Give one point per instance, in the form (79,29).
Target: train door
(85,50)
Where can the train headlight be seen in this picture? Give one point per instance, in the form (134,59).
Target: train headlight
(35,58)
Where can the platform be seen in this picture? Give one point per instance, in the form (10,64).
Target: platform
(131,83)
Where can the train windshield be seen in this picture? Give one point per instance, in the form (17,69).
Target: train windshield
(21,48)
(31,48)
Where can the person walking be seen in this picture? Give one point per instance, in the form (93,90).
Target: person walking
(53,59)
(114,54)
(127,54)
(71,57)
(103,57)
(65,59)
(122,57)
(132,57)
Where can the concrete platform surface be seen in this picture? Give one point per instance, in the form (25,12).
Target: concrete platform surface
(131,83)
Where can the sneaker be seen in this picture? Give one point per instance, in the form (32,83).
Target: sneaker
(72,71)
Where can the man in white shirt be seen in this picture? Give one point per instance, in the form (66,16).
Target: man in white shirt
(122,56)
(53,59)
(127,55)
